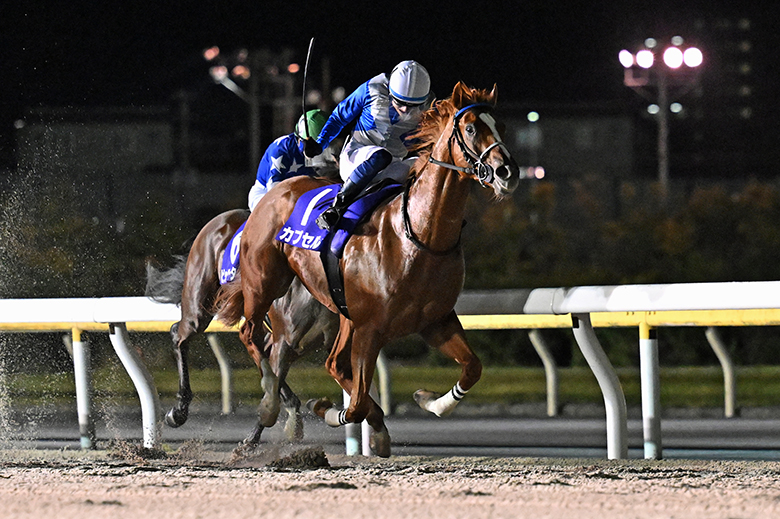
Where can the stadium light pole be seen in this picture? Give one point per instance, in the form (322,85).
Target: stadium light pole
(652,71)
(239,66)
(264,73)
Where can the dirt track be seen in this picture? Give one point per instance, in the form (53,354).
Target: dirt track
(197,483)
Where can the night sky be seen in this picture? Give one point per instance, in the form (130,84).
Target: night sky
(119,53)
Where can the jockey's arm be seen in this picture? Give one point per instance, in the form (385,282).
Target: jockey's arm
(345,112)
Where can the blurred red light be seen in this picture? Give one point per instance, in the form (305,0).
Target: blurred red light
(241,71)
(211,53)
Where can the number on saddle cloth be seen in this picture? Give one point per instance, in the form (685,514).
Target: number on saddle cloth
(229,265)
(301,229)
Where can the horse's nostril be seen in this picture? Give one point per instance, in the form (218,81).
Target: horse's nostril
(503,172)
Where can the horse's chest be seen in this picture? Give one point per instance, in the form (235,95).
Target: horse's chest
(421,293)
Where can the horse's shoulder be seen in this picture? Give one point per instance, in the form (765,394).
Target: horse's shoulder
(381,218)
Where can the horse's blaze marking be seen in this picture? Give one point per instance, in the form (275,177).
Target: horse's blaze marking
(491,123)
(312,204)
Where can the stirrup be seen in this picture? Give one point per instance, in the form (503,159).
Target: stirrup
(328,218)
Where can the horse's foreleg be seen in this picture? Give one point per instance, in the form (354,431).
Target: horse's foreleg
(365,350)
(352,363)
(448,337)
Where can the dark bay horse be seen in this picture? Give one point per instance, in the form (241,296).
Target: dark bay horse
(403,270)
(300,324)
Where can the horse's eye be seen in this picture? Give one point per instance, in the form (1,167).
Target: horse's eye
(470,129)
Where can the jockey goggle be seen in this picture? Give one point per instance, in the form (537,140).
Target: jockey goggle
(406,104)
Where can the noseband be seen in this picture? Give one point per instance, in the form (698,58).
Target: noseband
(483,172)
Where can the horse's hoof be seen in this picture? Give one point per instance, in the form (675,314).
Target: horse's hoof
(244,449)
(380,442)
(266,417)
(293,427)
(176,417)
(423,397)
(319,407)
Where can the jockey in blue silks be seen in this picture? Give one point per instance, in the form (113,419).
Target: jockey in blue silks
(386,109)
(284,158)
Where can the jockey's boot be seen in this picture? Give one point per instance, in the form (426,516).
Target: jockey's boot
(349,192)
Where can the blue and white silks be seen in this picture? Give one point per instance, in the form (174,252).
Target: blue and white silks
(283,159)
(377,126)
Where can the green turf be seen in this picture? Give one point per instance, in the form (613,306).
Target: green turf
(680,387)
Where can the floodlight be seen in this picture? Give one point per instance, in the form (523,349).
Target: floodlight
(645,58)
(626,58)
(673,57)
(218,73)
(693,57)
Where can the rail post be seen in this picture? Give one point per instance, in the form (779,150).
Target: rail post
(651,391)
(351,432)
(550,370)
(383,377)
(729,377)
(614,399)
(226,373)
(143,382)
(81,355)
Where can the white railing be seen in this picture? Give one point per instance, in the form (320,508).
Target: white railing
(114,315)
(644,306)
(581,308)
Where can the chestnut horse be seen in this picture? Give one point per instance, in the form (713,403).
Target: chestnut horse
(299,323)
(403,269)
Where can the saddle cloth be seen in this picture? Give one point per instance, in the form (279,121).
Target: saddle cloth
(301,229)
(229,264)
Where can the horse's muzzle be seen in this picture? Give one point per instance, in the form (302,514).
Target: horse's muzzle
(507,178)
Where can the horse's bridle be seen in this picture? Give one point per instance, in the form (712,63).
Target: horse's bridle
(483,172)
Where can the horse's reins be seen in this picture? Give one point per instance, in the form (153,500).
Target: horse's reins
(484,173)
(409,233)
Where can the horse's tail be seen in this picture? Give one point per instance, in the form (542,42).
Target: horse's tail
(166,285)
(229,302)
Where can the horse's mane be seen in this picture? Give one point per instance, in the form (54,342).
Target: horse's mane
(436,118)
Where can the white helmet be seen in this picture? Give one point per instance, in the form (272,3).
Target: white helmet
(410,82)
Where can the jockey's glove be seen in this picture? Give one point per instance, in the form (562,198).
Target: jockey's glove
(311,148)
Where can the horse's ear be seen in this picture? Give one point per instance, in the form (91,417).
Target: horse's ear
(493,95)
(458,93)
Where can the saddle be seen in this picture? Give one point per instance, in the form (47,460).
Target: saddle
(300,230)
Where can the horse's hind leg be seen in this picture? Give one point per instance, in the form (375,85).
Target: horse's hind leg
(178,414)
(282,356)
(200,285)
(448,337)
(307,326)
(181,333)
(293,427)
(274,385)
(268,410)
(258,297)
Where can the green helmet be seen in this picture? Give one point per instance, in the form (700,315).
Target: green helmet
(315,120)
